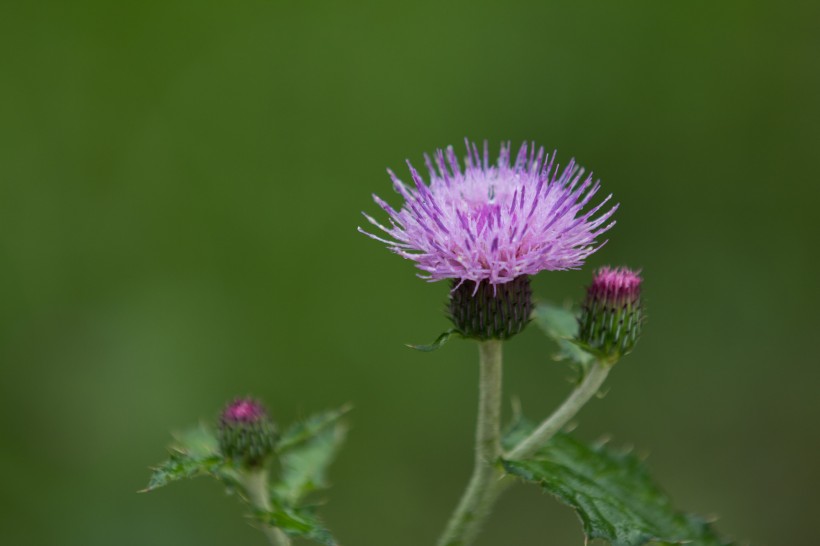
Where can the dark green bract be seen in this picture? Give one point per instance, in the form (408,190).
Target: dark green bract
(247,443)
(492,311)
(611,328)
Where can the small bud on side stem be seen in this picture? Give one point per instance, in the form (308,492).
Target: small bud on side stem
(612,314)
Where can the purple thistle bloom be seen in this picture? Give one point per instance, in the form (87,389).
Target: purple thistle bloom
(494,223)
(244,410)
(615,286)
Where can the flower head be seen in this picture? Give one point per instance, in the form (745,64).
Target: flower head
(612,314)
(246,433)
(494,223)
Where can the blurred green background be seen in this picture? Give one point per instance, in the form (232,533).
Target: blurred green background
(180,185)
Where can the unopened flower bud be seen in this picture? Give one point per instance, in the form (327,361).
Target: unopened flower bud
(246,432)
(612,315)
(491,311)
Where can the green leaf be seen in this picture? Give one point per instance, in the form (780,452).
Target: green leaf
(194,453)
(612,493)
(297,522)
(440,340)
(561,325)
(519,428)
(181,466)
(301,432)
(199,441)
(305,450)
(304,467)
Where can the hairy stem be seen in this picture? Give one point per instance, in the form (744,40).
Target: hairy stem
(476,502)
(256,487)
(575,401)
(497,482)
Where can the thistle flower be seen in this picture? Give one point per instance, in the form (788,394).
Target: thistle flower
(612,314)
(494,223)
(488,225)
(246,432)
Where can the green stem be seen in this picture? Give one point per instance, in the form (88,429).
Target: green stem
(588,388)
(497,483)
(475,504)
(256,487)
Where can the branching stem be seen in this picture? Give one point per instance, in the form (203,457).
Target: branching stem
(487,482)
(588,388)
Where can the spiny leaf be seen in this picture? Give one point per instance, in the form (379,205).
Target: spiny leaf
(303,431)
(297,522)
(181,466)
(198,442)
(305,466)
(194,453)
(561,325)
(440,340)
(612,493)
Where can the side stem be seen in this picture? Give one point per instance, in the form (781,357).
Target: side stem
(476,502)
(588,388)
(256,486)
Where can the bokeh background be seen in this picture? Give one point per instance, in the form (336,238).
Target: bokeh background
(180,185)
